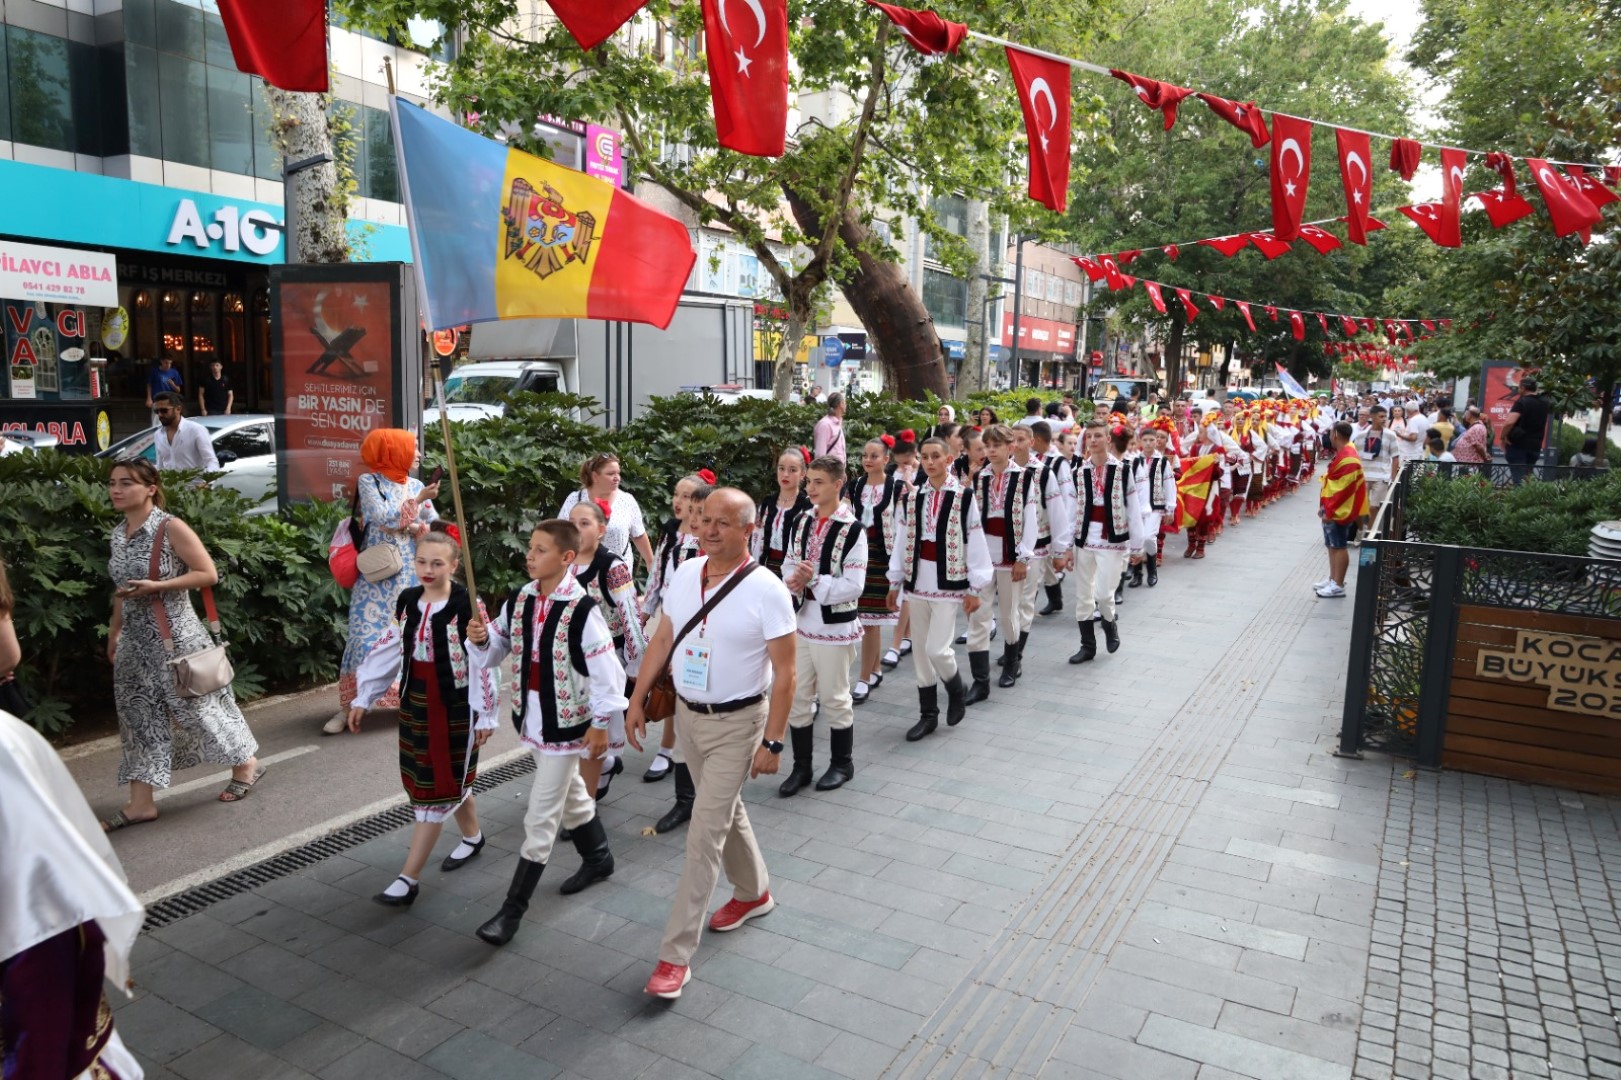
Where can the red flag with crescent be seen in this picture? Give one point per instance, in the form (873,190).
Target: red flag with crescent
(1452,166)
(1267,244)
(1291,173)
(1405,155)
(1245,117)
(1228,245)
(1570,210)
(929,33)
(746,42)
(1297,325)
(1154,295)
(1160,96)
(1503,207)
(1356,175)
(1187,303)
(1044,98)
(1595,192)
(1319,238)
(1244,310)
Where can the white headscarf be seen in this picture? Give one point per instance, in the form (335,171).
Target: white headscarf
(59,869)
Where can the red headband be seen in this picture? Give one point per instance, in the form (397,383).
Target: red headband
(805,450)
(454,533)
(707,477)
(607,507)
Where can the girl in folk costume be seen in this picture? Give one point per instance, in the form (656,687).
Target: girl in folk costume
(1239,430)
(1124,444)
(939,563)
(903,466)
(606,578)
(1208,440)
(826,572)
(1158,497)
(972,458)
(1056,483)
(448,709)
(875,497)
(1108,531)
(1009,508)
(681,545)
(776,517)
(567,686)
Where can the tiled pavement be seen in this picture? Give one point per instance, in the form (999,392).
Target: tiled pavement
(1147,867)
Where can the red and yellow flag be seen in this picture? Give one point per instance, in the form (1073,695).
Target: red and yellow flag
(1345,490)
(1193,490)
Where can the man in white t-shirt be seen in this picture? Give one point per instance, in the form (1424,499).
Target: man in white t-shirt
(181,443)
(1381,458)
(729,729)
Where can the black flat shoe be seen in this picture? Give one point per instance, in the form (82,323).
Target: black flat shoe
(398,901)
(607,778)
(453,863)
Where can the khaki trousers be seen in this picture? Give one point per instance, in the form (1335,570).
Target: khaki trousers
(934,628)
(823,674)
(557,797)
(1097,572)
(1001,597)
(720,750)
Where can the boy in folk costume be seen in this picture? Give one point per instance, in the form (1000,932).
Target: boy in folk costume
(1158,497)
(448,707)
(1056,483)
(874,497)
(940,562)
(1010,515)
(826,572)
(567,684)
(606,578)
(903,466)
(1108,532)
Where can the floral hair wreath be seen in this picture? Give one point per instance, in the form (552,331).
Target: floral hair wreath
(707,476)
(888,440)
(454,533)
(606,507)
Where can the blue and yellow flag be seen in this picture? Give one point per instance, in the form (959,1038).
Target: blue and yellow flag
(500,234)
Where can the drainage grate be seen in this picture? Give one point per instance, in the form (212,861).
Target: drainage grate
(181,905)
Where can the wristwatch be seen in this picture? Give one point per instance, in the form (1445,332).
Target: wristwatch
(773,745)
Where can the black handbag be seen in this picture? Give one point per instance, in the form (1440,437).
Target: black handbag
(13,700)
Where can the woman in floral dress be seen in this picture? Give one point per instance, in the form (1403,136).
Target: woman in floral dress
(163,732)
(396,509)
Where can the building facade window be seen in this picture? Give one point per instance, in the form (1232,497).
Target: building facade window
(945,297)
(41,89)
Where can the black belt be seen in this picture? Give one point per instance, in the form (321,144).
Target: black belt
(724,706)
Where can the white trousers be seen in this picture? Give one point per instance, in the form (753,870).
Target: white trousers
(1000,599)
(823,675)
(558,797)
(1041,575)
(1097,572)
(934,628)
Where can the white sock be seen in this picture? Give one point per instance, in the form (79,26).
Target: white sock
(400,886)
(606,776)
(469,844)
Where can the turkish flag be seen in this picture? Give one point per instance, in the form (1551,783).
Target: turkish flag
(1155,295)
(1322,320)
(1246,117)
(1111,273)
(1272,311)
(1612,175)
(1127,281)
(1356,174)
(1319,238)
(1367,324)
(1171,251)
(1267,244)
(1217,302)
(1570,210)
(1094,272)
(1349,325)
(1187,303)
(593,21)
(1446,324)
(1427,324)
(1429,217)
(1405,155)
(1044,97)
(1126,258)
(1244,310)
(1297,325)
(748,73)
(1452,166)
(1160,96)
(1597,194)
(1291,173)
(929,33)
(1228,245)
(1503,165)
(284,43)
(1503,208)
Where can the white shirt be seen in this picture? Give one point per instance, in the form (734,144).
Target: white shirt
(758,611)
(191,449)
(1376,467)
(624,520)
(1024,545)
(380,670)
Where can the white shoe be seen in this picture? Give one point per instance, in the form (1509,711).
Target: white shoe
(1321,584)
(1331,591)
(337,725)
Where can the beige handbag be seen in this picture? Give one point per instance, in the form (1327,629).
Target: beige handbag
(206,671)
(379,562)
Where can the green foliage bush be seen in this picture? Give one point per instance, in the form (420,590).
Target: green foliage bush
(1554,517)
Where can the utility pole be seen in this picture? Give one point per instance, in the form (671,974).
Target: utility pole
(1018,308)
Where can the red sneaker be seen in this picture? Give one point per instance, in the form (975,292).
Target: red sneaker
(738,912)
(668,979)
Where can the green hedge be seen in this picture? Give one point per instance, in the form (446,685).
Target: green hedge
(283,614)
(1554,517)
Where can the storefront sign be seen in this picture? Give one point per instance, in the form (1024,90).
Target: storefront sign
(603,158)
(58,275)
(1582,674)
(79,428)
(230,227)
(343,361)
(1040,335)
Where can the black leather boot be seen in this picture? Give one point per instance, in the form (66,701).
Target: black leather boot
(499,930)
(596,861)
(956,700)
(1136,576)
(1111,635)
(1152,562)
(801,775)
(1055,600)
(685,792)
(1120,589)
(928,716)
(1018,656)
(979,665)
(1010,666)
(842,766)
(1089,644)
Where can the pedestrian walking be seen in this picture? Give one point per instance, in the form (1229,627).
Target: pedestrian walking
(678,542)
(178,443)
(1524,430)
(599,480)
(1109,533)
(605,577)
(728,638)
(156,561)
(828,438)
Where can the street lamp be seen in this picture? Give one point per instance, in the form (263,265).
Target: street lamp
(1018,305)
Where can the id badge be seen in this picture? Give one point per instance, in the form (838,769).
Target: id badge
(695,666)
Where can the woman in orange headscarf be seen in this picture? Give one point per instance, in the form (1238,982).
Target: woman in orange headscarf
(395,509)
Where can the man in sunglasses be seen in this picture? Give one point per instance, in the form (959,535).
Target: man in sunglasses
(181,443)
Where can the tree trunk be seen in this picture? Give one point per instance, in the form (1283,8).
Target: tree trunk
(971,375)
(319,203)
(799,317)
(1600,454)
(888,306)
(1173,359)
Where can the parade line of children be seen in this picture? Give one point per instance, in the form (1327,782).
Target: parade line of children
(975,518)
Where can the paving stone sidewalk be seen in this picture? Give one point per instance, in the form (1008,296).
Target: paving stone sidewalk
(1150,866)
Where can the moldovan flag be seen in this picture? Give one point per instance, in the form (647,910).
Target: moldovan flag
(500,234)
(1193,490)
(283,42)
(1345,491)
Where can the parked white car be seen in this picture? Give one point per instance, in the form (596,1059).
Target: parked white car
(18,442)
(245,446)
